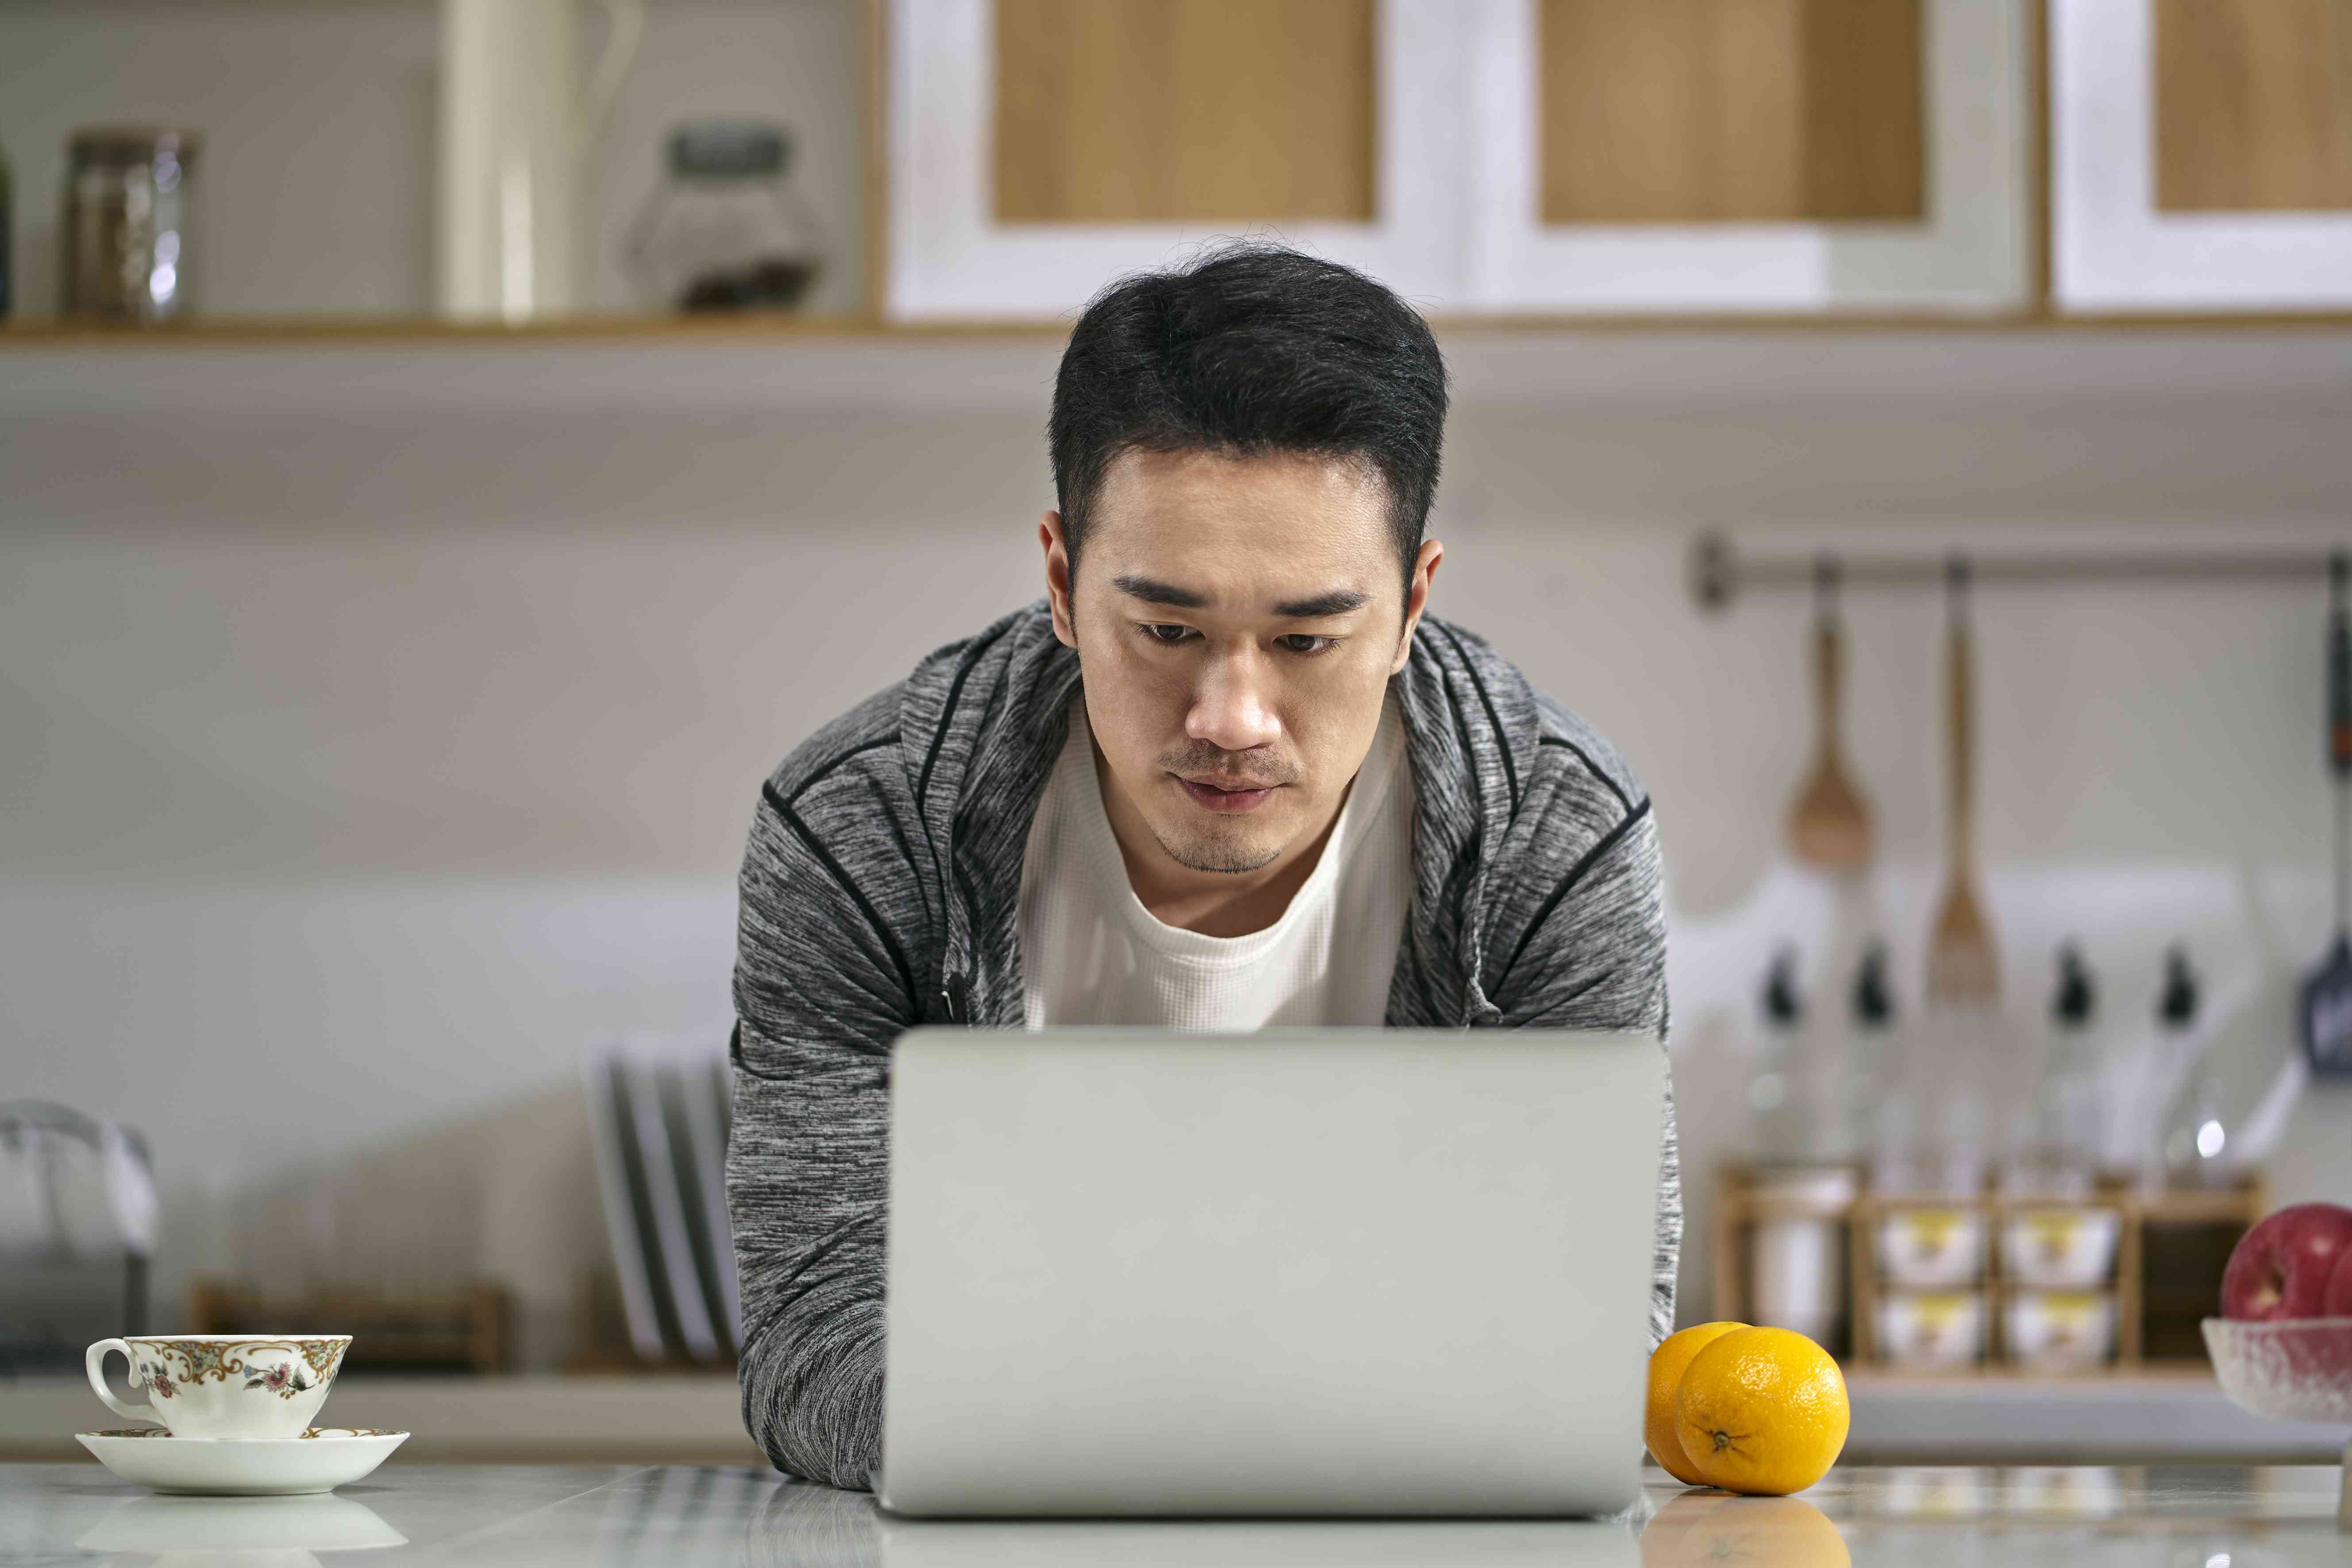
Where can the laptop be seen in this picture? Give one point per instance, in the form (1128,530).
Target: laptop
(1300,1272)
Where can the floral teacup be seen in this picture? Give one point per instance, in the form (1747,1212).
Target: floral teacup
(224,1385)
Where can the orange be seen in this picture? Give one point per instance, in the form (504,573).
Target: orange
(1666,1364)
(1755,1531)
(1761,1410)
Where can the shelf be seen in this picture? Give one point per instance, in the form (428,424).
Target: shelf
(2216,383)
(2147,1414)
(2147,1292)
(295,333)
(2170,1374)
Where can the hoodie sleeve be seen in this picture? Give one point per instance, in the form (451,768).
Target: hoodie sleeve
(1592,954)
(825,979)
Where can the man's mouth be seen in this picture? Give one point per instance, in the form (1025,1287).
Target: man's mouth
(1213,794)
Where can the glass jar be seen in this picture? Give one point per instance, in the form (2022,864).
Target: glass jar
(725,231)
(7,253)
(127,201)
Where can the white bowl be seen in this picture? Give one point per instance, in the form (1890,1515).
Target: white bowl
(2295,1369)
(1931,1329)
(2061,1249)
(2053,1329)
(1931,1246)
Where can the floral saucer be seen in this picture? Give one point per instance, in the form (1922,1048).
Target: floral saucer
(320,1459)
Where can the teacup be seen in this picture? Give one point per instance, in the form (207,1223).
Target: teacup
(223,1385)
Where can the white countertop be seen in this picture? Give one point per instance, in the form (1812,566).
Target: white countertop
(686,1516)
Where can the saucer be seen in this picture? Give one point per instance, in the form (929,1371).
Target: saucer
(320,1460)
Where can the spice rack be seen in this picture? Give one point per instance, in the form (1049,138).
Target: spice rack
(2170,1249)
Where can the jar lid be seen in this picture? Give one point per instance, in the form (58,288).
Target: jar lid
(133,143)
(733,148)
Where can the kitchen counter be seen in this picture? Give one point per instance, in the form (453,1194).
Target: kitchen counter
(697,1419)
(685,1517)
(637,1418)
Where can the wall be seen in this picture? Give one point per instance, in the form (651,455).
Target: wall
(363,763)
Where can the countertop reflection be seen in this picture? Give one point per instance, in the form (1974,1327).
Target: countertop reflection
(690,1516)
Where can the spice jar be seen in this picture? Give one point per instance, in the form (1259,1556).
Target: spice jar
(726,232)
(127,200)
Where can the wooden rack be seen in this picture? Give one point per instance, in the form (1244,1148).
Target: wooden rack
(2170,1250)
(463,1332)
(600,1335)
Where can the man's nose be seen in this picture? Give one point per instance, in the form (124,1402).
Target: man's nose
(1230,707)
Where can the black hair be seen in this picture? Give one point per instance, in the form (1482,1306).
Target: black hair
(1249,350)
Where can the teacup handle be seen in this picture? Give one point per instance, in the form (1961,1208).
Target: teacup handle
(94,1360)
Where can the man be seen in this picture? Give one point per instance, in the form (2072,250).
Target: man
(1226,774)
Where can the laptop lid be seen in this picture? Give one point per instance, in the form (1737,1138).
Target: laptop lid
(1376,1272)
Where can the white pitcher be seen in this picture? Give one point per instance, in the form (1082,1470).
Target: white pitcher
(517,123)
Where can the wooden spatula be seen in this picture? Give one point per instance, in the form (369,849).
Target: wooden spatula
(1963,970)
(1829,824)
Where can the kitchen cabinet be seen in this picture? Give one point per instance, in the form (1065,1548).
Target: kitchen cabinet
(1539,160)
(2202,154)
(1747,155)
(1165,114)
(1036,149)
(1481,156)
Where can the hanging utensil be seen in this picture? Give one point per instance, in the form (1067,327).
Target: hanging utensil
(1963,970)
(1830,823)
(2327,995)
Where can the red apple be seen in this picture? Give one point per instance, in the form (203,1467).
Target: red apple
(2283,1266)
(2337,1300)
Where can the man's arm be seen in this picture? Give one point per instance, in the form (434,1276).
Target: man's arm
(1593,956)
(823,984)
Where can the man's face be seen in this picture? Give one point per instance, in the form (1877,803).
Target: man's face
(1237,621)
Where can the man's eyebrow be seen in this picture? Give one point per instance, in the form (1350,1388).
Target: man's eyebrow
(1152,591)
(1337,602)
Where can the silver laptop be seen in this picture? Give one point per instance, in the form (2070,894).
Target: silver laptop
(1363,1271)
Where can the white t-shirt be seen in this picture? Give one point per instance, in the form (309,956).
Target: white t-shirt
(1091,954)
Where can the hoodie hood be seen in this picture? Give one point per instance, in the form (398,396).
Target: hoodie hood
(982,719)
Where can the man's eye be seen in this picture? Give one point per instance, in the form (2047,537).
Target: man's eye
(1306,644)
(1165,633)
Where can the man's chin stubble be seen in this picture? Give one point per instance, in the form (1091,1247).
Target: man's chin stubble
(1208,857)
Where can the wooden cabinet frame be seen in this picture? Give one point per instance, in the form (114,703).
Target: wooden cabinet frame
(950,260)
(2111,248)
(1973,254)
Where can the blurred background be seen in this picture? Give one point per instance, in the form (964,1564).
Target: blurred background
(451,451)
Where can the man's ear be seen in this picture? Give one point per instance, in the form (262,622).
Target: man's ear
(1057,577)
(1416,598)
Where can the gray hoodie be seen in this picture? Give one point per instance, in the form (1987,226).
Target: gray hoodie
(880,890)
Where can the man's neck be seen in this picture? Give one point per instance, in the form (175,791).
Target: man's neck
(1213,903)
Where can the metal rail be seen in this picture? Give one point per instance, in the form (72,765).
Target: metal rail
(1720,573)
